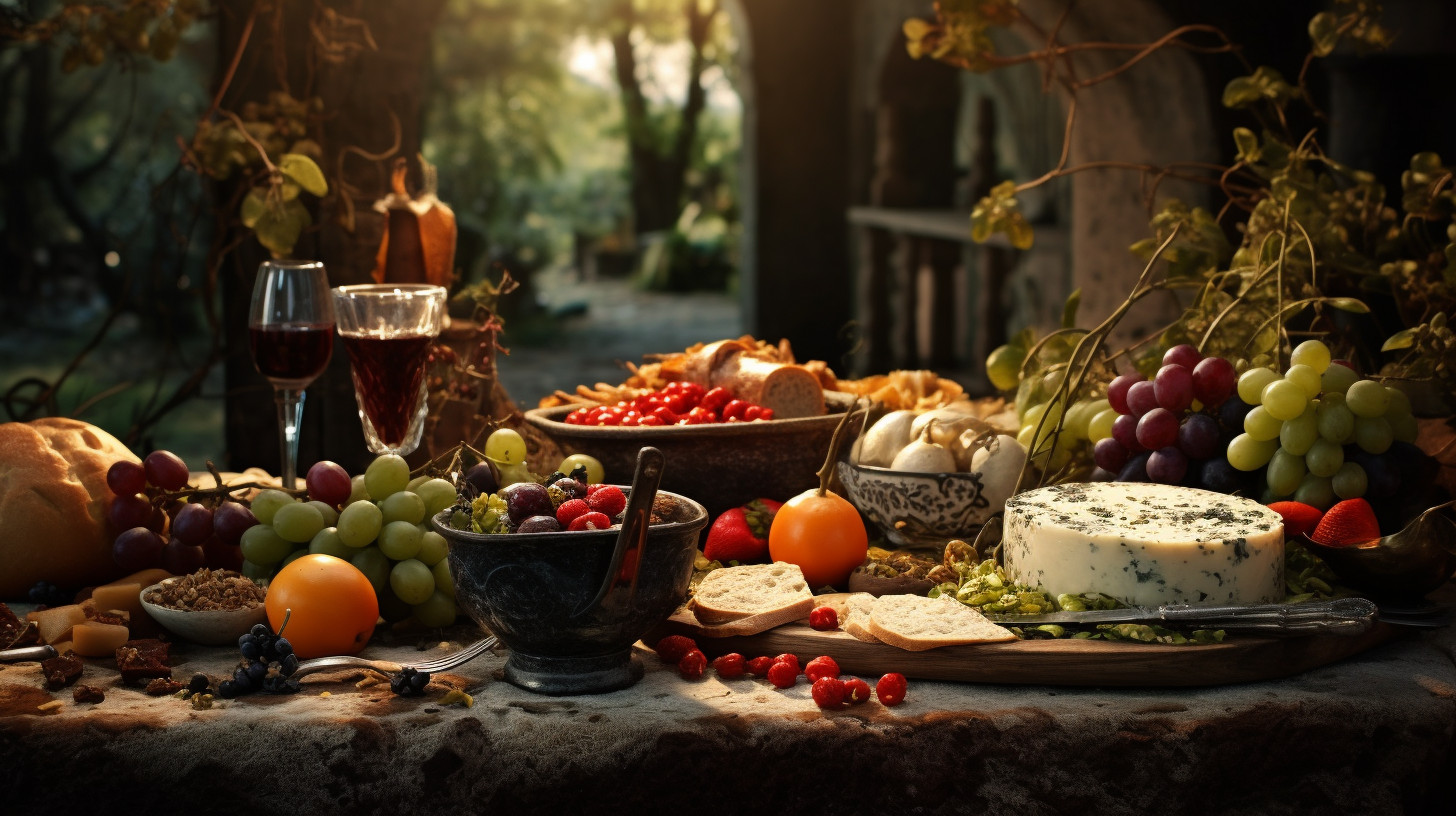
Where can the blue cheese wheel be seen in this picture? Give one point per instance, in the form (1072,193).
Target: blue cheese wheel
(1145,544)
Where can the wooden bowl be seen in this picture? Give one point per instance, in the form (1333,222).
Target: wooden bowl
(221,627)
(720,466)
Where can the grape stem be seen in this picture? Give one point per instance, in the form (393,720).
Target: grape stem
(836,444)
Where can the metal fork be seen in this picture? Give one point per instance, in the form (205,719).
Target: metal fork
(439,664)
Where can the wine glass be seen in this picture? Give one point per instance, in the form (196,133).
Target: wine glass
(291,333)
(388,330)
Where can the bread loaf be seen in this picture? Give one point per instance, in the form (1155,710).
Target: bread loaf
(53,501)
(791,391)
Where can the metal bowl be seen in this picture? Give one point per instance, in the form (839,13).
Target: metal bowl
(1415,561)
(722,466)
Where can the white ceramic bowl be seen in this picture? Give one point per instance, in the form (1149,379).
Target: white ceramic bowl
(207,628)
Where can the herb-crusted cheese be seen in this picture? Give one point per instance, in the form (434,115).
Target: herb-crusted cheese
(1145,544)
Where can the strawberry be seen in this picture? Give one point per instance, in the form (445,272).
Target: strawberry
(609,500)
(1299,518)
(1348,523)
(741,534)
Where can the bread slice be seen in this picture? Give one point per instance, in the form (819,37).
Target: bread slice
(857,618)
(917,623)
(734,593)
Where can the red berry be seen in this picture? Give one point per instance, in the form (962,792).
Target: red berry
(589,521)
(715,399)
(891,689)
(824,618)
(856,691)
(734,409)
(752,412)
(729,666)
(570,510)
(759,666)
(792,660)
(828,692)
(819,667)
(783,675)
(672,648)
(692,665)
(609,500)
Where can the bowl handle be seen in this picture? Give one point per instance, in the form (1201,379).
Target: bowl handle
(635,520)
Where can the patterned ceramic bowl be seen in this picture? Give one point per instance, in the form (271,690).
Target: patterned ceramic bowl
(920,510)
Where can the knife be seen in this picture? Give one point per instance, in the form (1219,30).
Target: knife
(27,653)
(1341,616)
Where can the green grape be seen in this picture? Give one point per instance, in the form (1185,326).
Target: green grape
(1312,353)
(257,572)
(1299,433)
(1101,425)
(1350,481)
(1284,399)
(1247,453)
(1306,378)
(1324,458)
(331,516)
(375,566)
(412,581)
(1367,398)
(444,581)
(267,502)
(385,476)
(417,481)
(1259,425)
(263,546)
(1335,421)
(1079,417)
(1315,491)
(1253,382)
(1285,472)
(403,506)
(357,490)
(433,548)
(595,473)
(1034,414)
(437,610)
(1404,427)
(439,494)
(359,524)
(1399,402)
(327,543)
(506,447)
(294,556)
(1373,434)
(400,540)
(1337,379)
(511,474)
(298,522)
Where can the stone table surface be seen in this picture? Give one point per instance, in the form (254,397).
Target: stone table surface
(1370,735)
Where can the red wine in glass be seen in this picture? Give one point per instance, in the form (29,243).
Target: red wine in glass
(389,375)
(292,352)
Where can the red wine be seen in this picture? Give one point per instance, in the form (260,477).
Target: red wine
(389,376)
(292,353)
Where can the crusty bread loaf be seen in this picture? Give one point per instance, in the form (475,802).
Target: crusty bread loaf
(857,620)
(735,593)
(53,500)
(917,623)
(790,390)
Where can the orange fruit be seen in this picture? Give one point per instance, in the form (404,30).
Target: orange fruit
(330,606)
(823,534)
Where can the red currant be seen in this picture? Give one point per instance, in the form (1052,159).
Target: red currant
(759,666)
(792,660)
(828,692)
(783,675)
(824,619)
(672,648)
(729,666)
(692,665)
(891,689)
(820,667)
(856,690)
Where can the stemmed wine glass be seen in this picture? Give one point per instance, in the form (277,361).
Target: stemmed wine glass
(291,332)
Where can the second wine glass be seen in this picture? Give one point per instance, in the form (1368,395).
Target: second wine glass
(291,333)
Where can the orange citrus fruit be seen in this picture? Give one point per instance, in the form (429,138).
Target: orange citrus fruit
(822,533)
(329,604)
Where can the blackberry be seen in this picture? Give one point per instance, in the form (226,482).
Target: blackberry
(48,594)
(409,682)
(198,684)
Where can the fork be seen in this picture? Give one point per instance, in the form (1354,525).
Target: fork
(439,664)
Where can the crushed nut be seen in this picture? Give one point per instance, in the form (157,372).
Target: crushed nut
(88,694)
(162,686)
(50,706)
(207,590)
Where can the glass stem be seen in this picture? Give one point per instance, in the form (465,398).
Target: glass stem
(290,411)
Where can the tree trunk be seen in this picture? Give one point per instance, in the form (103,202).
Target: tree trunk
(369,96)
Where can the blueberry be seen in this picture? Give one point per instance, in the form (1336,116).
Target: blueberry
(250,650)
(257,671)
(260,630)
(282,647)
(289,665)
(227,689)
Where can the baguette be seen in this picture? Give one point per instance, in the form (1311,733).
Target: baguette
(917,623)
(752,590)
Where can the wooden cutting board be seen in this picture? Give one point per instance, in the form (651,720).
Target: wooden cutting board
(1046,662)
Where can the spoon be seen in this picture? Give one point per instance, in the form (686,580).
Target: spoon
(635,520)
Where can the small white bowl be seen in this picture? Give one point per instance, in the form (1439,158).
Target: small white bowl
(213,627)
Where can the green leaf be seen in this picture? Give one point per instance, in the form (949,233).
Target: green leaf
(1265,84)
(1069,309)
(1324,30)
(1405,338)
(278,228)
(255,203)
(1347,304)
(1248,145)
(302,169)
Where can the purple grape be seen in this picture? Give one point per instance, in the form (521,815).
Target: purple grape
(1167,466)
(222,556)
(1198,437)
(1173,386)
(166,470)
(482,477)
(539,524)
(1157,429)
(1100,475)
(1109,454)
(182,559)
(230,520)
(1214,380)
(1124,430)
(1221,477)
(1142,397)
(131,510)
(193,524)
(125,478)
(1383,476)
(1117,392)
(1182,355)
(1135,470)
(1231,413)
(329,483)
(137,549)
(526,499)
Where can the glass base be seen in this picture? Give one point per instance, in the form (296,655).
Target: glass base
(412,437)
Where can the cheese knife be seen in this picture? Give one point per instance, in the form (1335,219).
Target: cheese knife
(1341,616)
